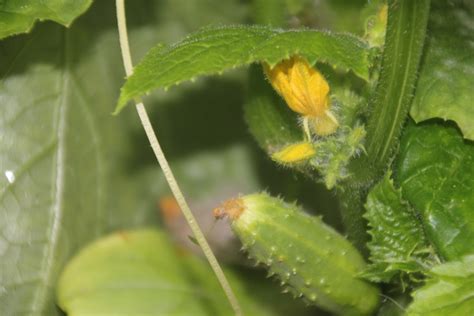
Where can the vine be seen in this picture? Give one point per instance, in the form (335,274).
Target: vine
(173,184)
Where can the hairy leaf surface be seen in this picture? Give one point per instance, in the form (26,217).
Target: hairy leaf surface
(435,170)
(19,16)
(396,233)
(213,50)
(445,83)
(449,290)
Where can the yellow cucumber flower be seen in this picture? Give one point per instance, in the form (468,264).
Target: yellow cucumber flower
(305,91)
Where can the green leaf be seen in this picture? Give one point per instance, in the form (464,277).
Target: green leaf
(444,87)
(449,290)
(213,50)
(435,170)
(140,273)
(397,235)
(53,123)
(20,16)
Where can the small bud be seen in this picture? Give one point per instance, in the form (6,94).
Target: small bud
(376,26)
(295,153)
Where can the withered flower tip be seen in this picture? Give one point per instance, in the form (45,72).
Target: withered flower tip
(232,208)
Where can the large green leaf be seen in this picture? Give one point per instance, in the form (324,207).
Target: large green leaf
(436,172)
(53,192)
(397,235)
(445,83)
(19,16)
(449,291)
(213,50)
(139,273)
(68,167)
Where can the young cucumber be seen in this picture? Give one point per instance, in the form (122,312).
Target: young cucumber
(311,259)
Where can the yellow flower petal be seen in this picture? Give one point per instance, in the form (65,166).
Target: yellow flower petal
(300,91)
(277,76)
(304,89)
(295,153)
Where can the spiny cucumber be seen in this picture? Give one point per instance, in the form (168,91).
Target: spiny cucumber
(311,259)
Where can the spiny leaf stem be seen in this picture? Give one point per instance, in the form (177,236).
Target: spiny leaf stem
(406,32)
(405,37)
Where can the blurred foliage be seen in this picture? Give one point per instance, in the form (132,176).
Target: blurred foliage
(140,273)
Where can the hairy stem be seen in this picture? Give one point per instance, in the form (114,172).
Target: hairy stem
(405,36)
(352,206)
(127,61)
(406,31)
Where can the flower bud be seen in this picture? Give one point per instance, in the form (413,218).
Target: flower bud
(295,153)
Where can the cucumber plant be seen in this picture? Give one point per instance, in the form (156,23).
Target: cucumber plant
(380,117)
(348,139)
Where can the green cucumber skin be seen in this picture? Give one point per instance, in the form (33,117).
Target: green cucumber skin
(313,260)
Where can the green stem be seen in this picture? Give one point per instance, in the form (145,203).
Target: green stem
(406,31)
(405,36)
(127,60)
(352,206)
